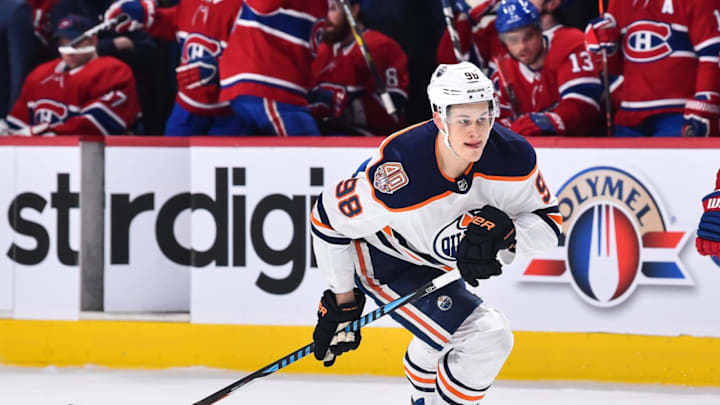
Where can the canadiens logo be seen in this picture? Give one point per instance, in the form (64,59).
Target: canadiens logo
(614,239)
(647,41)
(197,46)
(49,111)
(448,238)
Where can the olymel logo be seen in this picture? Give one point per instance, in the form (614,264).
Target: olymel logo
(614,239)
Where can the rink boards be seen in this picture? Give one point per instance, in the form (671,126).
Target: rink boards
(217,228)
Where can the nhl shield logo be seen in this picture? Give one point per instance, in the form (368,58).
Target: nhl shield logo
(614,239)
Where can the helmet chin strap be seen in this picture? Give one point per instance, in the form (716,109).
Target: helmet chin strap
(446,137)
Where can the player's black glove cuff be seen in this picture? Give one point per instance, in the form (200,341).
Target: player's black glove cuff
(490,231)
(333,318)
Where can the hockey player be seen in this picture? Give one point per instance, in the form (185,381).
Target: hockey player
(479,39)
(265,73)
(669,79)
(78,93)
(202,28)
(343,96)
(708,234)
(396,224)
(548,84)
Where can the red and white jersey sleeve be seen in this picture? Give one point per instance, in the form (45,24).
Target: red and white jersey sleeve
(578,80)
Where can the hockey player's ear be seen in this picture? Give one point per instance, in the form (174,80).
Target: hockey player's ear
(436,119)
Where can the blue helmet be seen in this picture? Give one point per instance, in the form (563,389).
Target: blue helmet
(514,14)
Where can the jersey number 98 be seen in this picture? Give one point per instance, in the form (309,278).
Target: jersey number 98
(348,201)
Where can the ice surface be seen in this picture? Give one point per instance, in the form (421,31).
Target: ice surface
(100,386)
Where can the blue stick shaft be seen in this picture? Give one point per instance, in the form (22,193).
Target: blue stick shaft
(304,351)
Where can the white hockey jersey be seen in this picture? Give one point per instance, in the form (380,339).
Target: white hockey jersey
(403,204)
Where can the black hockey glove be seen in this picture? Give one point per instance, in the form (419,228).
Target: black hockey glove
(489,231)
(332,318)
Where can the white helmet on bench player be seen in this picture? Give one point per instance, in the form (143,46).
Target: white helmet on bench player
(461,83)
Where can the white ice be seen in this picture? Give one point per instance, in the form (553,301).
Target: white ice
(99,386)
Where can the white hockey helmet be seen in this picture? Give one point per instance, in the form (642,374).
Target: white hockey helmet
(461,83)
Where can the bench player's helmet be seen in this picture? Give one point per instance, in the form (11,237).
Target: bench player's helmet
(514,14)
(461,83)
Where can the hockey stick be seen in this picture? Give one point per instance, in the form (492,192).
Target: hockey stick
(454,37)
(105,25)
(606,84)
(430,287)
(508,90)
(379,83)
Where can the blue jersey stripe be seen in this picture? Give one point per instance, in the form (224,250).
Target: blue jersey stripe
(296,28)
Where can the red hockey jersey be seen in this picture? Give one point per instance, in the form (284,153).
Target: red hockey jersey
(202,28)
(346,66)
(669,53)
(271,49)
(97,98)
(568,84)
(481,42)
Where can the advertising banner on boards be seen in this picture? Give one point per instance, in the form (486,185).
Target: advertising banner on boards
(40,230)
(626,258)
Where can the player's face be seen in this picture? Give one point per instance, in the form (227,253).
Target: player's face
(524,44)
(469,128)
(73,60)
(336,27)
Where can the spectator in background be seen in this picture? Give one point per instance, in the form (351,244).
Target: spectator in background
(137,49)
(668,78)
(265,72)
(78,93)
(479,38)
(417,26)
(343,97)
(548,84)
(202,28)
(16,38)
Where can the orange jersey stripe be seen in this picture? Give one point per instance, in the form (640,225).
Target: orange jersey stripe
(379,291)
(456,392)
(418,379)
(318,223)
(382,155)
(557,218)
(507,178)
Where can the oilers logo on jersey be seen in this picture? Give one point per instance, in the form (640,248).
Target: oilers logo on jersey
(448,238)
(615,239)
(648,41)
(49,111)
(197,46)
